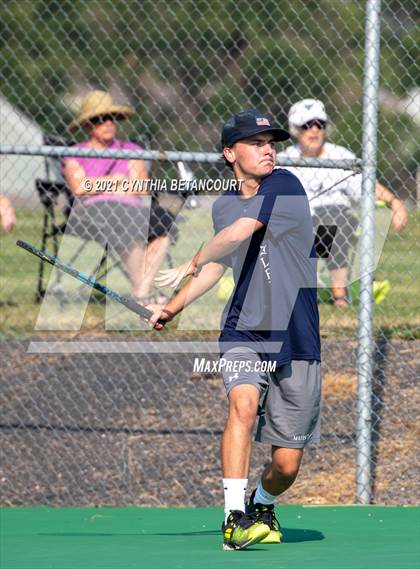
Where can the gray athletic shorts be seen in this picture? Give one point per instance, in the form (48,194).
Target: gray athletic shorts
(290,397)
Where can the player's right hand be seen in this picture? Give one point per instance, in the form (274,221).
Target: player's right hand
(158,318)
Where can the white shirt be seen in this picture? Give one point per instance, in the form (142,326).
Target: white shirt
(346,186)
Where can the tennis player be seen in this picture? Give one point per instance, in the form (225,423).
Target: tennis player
(265,234)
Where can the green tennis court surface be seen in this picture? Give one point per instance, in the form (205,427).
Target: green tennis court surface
(127,538)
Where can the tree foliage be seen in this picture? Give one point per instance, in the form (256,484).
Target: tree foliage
(187,65)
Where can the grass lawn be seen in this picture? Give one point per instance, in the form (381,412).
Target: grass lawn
(396,316)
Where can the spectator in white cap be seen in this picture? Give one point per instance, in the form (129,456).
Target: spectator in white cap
(332,193)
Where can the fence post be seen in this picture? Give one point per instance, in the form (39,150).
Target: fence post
(367,243)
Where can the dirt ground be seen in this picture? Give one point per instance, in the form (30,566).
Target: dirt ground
(122,429)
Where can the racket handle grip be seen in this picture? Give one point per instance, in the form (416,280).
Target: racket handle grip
(137,308)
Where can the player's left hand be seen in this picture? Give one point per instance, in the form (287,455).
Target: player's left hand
(173,277)
(399,215)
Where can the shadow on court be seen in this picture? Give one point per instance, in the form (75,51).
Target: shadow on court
(290,535)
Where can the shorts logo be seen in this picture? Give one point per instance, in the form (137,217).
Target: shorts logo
(302,437)
(262,122)
(235,376)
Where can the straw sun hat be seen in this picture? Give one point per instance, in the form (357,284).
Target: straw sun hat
(98,103)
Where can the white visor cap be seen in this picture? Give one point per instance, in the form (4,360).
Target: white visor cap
(305,111)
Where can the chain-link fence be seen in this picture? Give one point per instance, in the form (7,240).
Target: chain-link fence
(96,407)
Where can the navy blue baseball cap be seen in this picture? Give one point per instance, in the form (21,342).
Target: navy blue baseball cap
(248,123)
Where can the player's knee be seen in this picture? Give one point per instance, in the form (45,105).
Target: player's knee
(287,470)
(243,411)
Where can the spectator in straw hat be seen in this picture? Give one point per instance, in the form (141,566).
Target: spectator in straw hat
(332,192)
(108,208)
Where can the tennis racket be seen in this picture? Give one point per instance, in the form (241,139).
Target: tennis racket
(127,302)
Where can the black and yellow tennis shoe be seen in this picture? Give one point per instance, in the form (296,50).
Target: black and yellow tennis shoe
(242,530)
(265,514)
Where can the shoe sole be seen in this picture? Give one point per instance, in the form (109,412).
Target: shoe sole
(254,540)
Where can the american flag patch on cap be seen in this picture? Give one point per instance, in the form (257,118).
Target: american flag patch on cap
(262,122)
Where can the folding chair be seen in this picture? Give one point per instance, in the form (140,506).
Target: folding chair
(57,200)
(56,197)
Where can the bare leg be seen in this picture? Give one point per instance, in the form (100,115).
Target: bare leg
(339,281)
(135,263)
(236,439)
(142,265)
(281,473)
(155,256)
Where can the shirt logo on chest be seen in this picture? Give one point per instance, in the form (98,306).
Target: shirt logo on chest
(263,256)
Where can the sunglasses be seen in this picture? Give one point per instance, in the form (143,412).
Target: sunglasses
(101,119)
(318,123)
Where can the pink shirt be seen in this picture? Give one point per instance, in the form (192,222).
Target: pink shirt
(97,167)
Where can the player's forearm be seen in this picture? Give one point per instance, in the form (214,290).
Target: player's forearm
(196,287)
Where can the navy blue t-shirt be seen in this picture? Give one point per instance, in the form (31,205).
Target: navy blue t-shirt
(273,307)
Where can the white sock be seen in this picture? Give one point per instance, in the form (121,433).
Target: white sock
(263,497)
(235,489)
